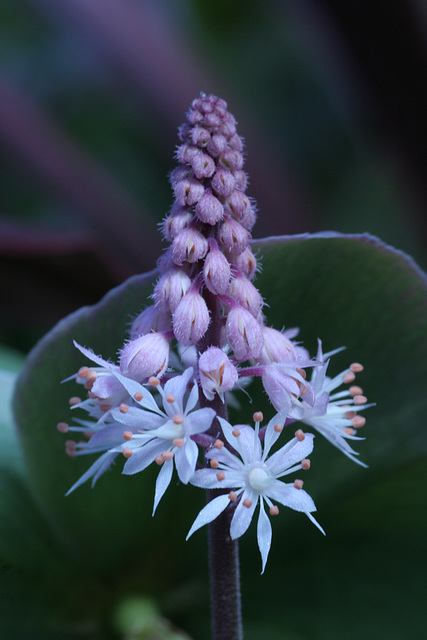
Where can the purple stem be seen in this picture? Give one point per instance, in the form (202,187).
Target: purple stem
(223,551)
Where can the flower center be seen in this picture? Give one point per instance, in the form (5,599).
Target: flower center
(259,479)
(169,431)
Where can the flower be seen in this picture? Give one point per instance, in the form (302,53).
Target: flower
(334,415)
(148,433)
(254,477)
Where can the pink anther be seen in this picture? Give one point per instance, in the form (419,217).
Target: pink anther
(128,453)
(358,422)
(274,510)
(247,503)
(300,435)
(233,496)
(218,444)
(170,398)
(167,455)
(124,408)
(220,475)
(154,381)
(356,367)
(178,418)
(355,390)
(178,442)
(298,484)
(214,463)
(305,464)
(360,400)
(258,416)
(83,372)
(127,435)
(74,401)
(278,428)
(348,377)
(62,427)
(138,396)
(236,433)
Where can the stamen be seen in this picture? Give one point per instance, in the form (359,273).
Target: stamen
(258,416)
(105,407)
(349,431)
(356,367)
(83,372)
(90,380)
(298,484)
(302,373)
(274,510)
(74,401)
(124,408)
(220,475)
(127,435)
(218,444)
(159,460)
(170,398)
(128,453)
(62,427)
(138,396)
(356,391)
(348,377)
(236,433)
(233,496)
(360,400)
(300,435)
(178,418)
(305,464)
(154,381)
(167,456)
(214,463)
(178,442)
(278,428)
(247,503)
(359,421)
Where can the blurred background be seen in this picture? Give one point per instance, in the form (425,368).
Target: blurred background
(329,96)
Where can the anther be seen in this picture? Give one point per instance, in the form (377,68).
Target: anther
(355,390)
(356,367)
(62,427)
(167,455)
(278,428)
(360,399)
(233,496)
(128,453)
(236,433)
(258,416)
(83,372)
(305,464)
(214,463)
(127,435)
(218,444)
(302,373)
(220,475)
(178,418)
(138,396)
(159,460)
(349,431)
(348,377)
(74,401)
(105,407)
(170,398)
(247,503)
(359,421)
(154,381)
(178,442)
(300,435)
(124,408)
(274,510)
(298,484)
(90,379)
(350,415)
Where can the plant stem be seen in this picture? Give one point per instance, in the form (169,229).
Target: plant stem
(223,552)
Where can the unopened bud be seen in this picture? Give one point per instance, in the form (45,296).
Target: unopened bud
(277,347)
(233,237)
(244,334)
(203,165)
(189,246)
(216,270)
(170,289)
(217,374)
(223,183)
(209,209)
(151,319)
(144,357)
(188,191)
(191,319)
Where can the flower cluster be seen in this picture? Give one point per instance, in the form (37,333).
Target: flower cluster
(202,336)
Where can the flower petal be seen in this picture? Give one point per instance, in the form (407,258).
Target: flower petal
(132,387)
(289,496)
(199,421)
(177,387)
(290,454)
(93,469)
(209,513)
(162,482)
(243,514)
(263,534)
(185,460)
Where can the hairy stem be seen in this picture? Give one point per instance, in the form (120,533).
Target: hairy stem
(223,552)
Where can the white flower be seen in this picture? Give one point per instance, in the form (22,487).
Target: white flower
(334,415)
(253,478)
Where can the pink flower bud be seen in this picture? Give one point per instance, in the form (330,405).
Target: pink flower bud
(238,204)
(236,142)
(282,384)
(217,145)
(203,165)
(241,180)
(216,373)
(191,319)
(228,126)
(277,347)
(189,246)
(178,174)
(245,294)
(170,289)
(186,153)
(194,117)
(188,191)
(246,262)
(231,160)
(209,209)
(151,319)
(178,220)
(244,334)
(200,136)
(233,237)
(223,183)
(213,120)
(144,357)
(216,270)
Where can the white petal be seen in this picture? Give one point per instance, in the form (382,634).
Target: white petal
(263,534)
(177,387)
(209,513)
(199,421)
(92,470)
(243,515)
(90,354)
(291,453)
(291,497)
(271,435)
(133,387)
(185,460)
(162,482)
(193,399)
